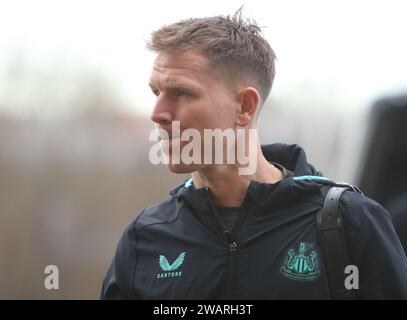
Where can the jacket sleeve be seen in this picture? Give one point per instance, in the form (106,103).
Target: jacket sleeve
(377,252)
(118,283)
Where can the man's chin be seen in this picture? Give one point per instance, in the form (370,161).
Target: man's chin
(183,168)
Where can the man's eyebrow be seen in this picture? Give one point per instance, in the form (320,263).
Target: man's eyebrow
(177,85)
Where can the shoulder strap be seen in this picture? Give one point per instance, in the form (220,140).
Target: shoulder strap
(332,242)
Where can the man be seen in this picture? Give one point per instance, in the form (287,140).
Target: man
(397,207)
(224,234)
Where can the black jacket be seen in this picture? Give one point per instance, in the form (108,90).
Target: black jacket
(178,249)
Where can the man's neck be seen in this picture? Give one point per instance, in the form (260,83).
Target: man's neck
(228,188)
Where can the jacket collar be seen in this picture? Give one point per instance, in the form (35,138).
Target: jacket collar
(306,180)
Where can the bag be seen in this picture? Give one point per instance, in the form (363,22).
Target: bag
(332,241)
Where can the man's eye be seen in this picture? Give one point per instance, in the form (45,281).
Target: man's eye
(179,93)
(156,92)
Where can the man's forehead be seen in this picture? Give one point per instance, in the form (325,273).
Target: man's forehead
(189,64)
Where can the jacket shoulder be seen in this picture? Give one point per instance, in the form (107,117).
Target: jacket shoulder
(162,212)
(358,209)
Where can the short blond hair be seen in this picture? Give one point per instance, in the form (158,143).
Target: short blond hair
(234,46)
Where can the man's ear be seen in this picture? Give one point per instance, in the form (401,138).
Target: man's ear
(249,100)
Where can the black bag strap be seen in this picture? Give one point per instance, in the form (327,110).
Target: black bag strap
(332,242)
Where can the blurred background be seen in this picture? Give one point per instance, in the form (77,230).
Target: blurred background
(75,105)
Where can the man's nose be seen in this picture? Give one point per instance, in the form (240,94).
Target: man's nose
(162,112)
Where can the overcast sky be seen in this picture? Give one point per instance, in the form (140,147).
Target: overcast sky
(358,47)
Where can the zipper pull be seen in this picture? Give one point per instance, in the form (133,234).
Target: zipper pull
(232,243)
(232,246)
